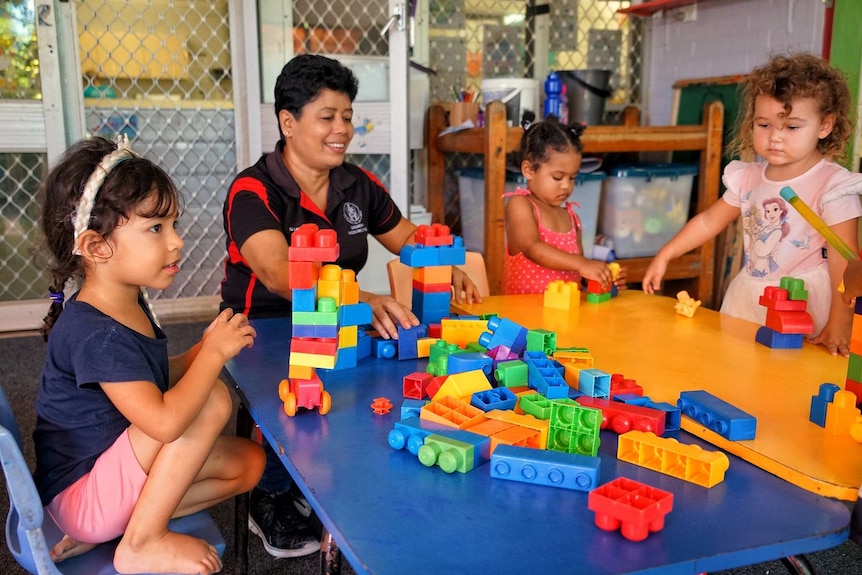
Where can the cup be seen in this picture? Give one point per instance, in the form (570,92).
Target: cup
(460,112)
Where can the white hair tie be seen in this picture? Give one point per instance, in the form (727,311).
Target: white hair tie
(81,216)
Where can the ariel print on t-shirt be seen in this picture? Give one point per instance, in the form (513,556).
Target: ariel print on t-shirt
(766,229)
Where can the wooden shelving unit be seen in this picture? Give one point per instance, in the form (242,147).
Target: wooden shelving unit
(695,269)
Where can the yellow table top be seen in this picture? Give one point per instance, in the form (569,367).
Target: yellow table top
(642,337)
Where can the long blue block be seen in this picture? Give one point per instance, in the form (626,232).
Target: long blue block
(718,415)
(542,467)
(777,340)
(672,415)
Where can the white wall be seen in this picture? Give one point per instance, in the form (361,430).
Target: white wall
(728,37)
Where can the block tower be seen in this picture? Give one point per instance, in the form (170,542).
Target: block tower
(787,321)
(854,366)
(432,258)
(326,313)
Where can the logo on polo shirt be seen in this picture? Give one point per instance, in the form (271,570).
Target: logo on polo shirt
(353,216)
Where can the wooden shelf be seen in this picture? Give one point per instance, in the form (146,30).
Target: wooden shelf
(496,140)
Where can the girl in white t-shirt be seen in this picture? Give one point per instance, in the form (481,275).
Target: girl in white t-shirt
(796,118)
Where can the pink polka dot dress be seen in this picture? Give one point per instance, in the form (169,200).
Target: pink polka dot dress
(521,275)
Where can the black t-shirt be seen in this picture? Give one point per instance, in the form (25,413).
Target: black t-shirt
(266,197)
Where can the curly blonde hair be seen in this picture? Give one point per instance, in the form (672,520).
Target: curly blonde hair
(787,78)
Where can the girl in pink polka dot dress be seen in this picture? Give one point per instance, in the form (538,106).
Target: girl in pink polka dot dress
(543,232)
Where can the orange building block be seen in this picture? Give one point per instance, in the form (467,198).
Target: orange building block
(841,413)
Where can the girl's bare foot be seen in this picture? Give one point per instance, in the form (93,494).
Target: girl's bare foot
(169,553)
(68,547)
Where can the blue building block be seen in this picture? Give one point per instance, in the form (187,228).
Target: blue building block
(412,408)
(308,330)
(411,433)
(407,338)
(346,359)
(594,382)
(506,333)
(718,415)
(454,255)
(551,468)
(430,308)
(498,398)
(672,415)
(385,348)
(363,344)
(354,314)
(443,450)
(303,299)
(820,402)
(416,256)
(776,340)
(470,361)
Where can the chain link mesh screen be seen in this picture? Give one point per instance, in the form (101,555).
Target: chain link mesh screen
(159,71)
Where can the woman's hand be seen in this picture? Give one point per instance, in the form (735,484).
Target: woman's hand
(386,313)
(464,288)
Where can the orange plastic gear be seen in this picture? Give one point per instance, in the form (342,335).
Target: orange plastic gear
(381,406)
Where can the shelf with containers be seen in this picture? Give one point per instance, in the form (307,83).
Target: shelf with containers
(693,271)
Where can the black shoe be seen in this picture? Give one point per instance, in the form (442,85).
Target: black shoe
(283,532)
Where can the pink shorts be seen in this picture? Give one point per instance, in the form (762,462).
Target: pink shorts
(97,507)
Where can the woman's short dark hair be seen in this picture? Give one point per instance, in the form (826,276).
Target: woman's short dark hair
(304,76)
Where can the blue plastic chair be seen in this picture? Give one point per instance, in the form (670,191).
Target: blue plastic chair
(31,533)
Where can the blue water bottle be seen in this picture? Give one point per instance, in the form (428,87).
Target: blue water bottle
(553,87)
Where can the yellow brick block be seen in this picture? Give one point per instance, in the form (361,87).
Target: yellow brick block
(348,336)
(423,346)
(562,295)
(667,455)
(300,372)
(329,284)
(312,360)
(462,331)
(463,385)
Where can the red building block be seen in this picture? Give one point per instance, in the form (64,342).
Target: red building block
(416,383)
(433,235)
(790,322)
(311,244)
(622,417)
(635,508)
(381,406)
(779,299)
(303,275)
(620,384)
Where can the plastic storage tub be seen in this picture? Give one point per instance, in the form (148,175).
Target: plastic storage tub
(471,191)
(643,206)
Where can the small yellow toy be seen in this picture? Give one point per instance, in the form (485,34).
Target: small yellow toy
(686,305)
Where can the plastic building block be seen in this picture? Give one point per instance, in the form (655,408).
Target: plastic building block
(354,314)
(311,330)
(411,408)
(598,297)
(303,275)
(775,340)
(407,348)
(415,384)
(854,387)
(778,299)
(574,428)
(420,256)
(307,393)
(317,346)
(423,346)
(622,417)
(433,235)
(431,288)
(841,413)
(411,432)
(666,455)
(854,367)
(499,398)
(453,412)
(819,402)
(463,385)
(433,275)
(562,295)
(538,405)
(303,299)
(349,289)
(541,426)
(461,331)
(595,287)
(672,414)
(511,373)
(580,355)
(594,382)
(300,372)
(438,358)
(329,284)
(310,244)
(451,454)
(435,384)
(363,344)
(789,321)
(430,307)
(795,287)
(385,348)
(717,415)
(541,340)
(381,406)
(347,358)
(622,385)
(348,336)
(686,305)
(312,360)
(504,332)
(635,508)
(547,380)
(454,255)
(470,361)
(554,469)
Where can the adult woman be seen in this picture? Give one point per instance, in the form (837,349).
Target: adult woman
(305,180)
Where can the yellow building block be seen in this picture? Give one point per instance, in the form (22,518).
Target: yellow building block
(582,357)
(572,373)
(463,385)
(349,287)
(524,420)
(329,284)
(348,336)
(686,305)
(562,295)
(667,455)
(462,331)
(433,275)
(423,346)
(312,360)
(841,413)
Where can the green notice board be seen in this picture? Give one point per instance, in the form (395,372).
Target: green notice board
(694,95)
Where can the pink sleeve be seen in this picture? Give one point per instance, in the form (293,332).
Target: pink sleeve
(732,178)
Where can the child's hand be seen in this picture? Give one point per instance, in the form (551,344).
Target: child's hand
(228,334)
(852,281)
(652,278)
(835,338)
(385,312)
(597,271)
(464,288)
(620,282)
